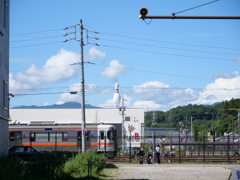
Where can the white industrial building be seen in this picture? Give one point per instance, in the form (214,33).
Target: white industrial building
(4,75)
(129,121)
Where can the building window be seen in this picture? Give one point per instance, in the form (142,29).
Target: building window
(127,118)
(6,15)
(5,94)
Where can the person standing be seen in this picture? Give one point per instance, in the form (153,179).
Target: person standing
(158,150)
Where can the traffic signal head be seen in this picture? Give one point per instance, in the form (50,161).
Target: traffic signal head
(143,11)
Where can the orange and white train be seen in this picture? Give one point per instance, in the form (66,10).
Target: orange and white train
(66,138)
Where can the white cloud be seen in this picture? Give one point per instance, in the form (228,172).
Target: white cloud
(237,60)
(220,90)
(225,75)
(56,68)
(147,105)
(108,104)
(89,89)
(163,94)
(60,102)
(114,69)
(93,54)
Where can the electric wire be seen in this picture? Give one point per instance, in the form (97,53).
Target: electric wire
(154,40)
(37,44)
(196,7)
(179,55)
(140,39)
(168,47)
(35,32)
(36,39)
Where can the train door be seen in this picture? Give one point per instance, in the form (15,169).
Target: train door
(88,140)
(15,138)
(79,140)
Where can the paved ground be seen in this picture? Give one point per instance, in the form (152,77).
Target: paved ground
(172,171)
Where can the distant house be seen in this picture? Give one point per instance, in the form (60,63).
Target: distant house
(4,74)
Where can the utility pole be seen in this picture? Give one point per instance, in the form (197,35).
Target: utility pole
(122,109)
(82,89)
(84,132)
(191,127)
(238,124)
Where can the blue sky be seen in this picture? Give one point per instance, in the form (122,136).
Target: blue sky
(158,64)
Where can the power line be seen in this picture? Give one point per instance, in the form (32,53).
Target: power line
(167,53)
(217,47)
(154,40)
(35,32)
(129,93)
(35,39)
(123,89)
(37,44)
(178,75)
(168,47)
(41,68)
(156,72)
(195,7)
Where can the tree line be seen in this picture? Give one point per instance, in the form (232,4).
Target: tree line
(205,118)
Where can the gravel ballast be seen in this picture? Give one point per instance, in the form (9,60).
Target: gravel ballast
(172,171)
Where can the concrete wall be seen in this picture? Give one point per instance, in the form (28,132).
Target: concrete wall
(4,74)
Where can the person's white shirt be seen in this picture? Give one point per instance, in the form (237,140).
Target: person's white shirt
(158,149)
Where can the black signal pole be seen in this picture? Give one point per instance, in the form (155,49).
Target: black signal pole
(144,12)
(188,17)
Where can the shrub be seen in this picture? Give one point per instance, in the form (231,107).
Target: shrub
(78,166)
(11,168)
(47,167)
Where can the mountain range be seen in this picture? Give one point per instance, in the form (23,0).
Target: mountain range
(70,105)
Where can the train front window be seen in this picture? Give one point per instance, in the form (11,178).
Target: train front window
(110,135)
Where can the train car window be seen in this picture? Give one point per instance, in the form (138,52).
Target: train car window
(18,136)
(59,137)
(79,134)
(101,135)
(110,135)
(88,137)
(52,136)
(64,136)
(55,137)
(12,136)
(32,136)
(41,137)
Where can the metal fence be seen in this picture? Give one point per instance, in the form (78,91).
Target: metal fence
(179,148)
